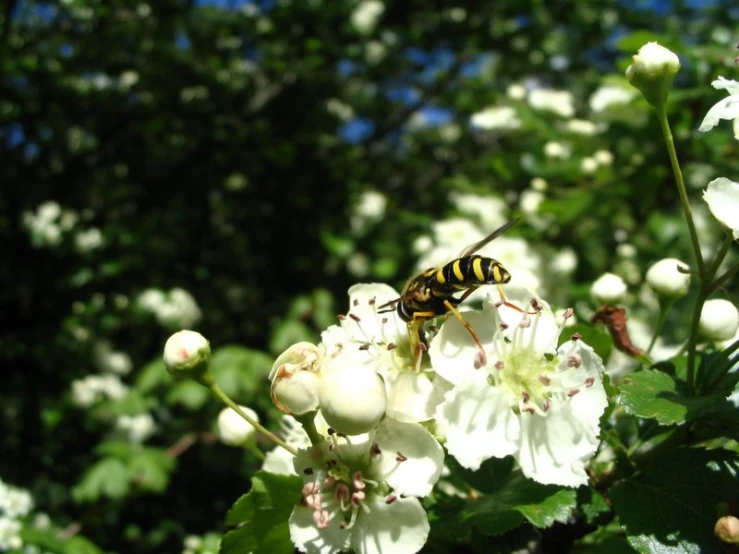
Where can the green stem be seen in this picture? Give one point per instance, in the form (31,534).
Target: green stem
(702,293)
(664,305)
(254,449)
(665,125)
(720,255)
(259,427)
(720,280)
(308,422)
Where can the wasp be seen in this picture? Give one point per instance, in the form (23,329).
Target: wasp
(431,294)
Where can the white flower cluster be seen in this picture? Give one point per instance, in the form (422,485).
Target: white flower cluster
(48,224)
(176,309)
(15,503)
(94,388)
(137,428)
(516,393)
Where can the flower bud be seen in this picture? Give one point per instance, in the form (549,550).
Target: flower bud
(608,288)
(187,355)
(296,379)
(353,398)
(719,320)
(727,529)
(666,279)
(233,429)
(652,71)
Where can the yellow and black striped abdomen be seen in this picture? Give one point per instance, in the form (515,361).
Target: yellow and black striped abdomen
(467,272)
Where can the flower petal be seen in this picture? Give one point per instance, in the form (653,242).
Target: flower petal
(364,324)
(722,197)
(729,85)
(412,397)
(556,447)
(726,108)
(477,422)
(422,457)
(308,538)
(453,351)
(399,527)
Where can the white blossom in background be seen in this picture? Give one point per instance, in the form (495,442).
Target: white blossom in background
(722,197)
(137,428)
(108,360)
(94,388)
(44,225)
(369,209)
(665,278)
(362,494)
(502,118)
(488,211)
(89,240)
(379,341)
(234,430)
(176,309)
(588,165)
(603,157)
(365,16)
(560,102)
(608,288)
(339,109)
(719,320)
(727,108)
(557,150)
(525,397)
(609,97)
(516,92)
(15,503)
(580,127)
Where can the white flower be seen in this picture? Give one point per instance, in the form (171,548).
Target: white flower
(380,341)
(528,399)
(608,288)
(501,117)
(15,502)
(557,150)
(610,96)
(280,461)
(176,309)
(588,165)
(352,394)
(138,428)
(370,208)
(234,430)
(10,530)
(722,197)
(187,354)
(560,102)
(87,241)
(94,388)
(360,494)
(516,92)
(489,211)
(603,157)
(581,127)
(364,17)
(719,320)
(296,379)
(664,278)
(727,108)
(652,71)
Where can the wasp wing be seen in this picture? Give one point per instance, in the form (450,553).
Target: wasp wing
(495,234)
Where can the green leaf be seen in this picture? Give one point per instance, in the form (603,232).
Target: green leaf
(671,507)
(239,371)
(152,468)
(654,394)
(49,540)
(262,516)
(592,504)
(152,375)
(189,394)
(109,477)
(520,498)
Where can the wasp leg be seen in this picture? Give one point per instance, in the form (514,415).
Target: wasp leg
(505,302)
(481,359)
(418,337)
